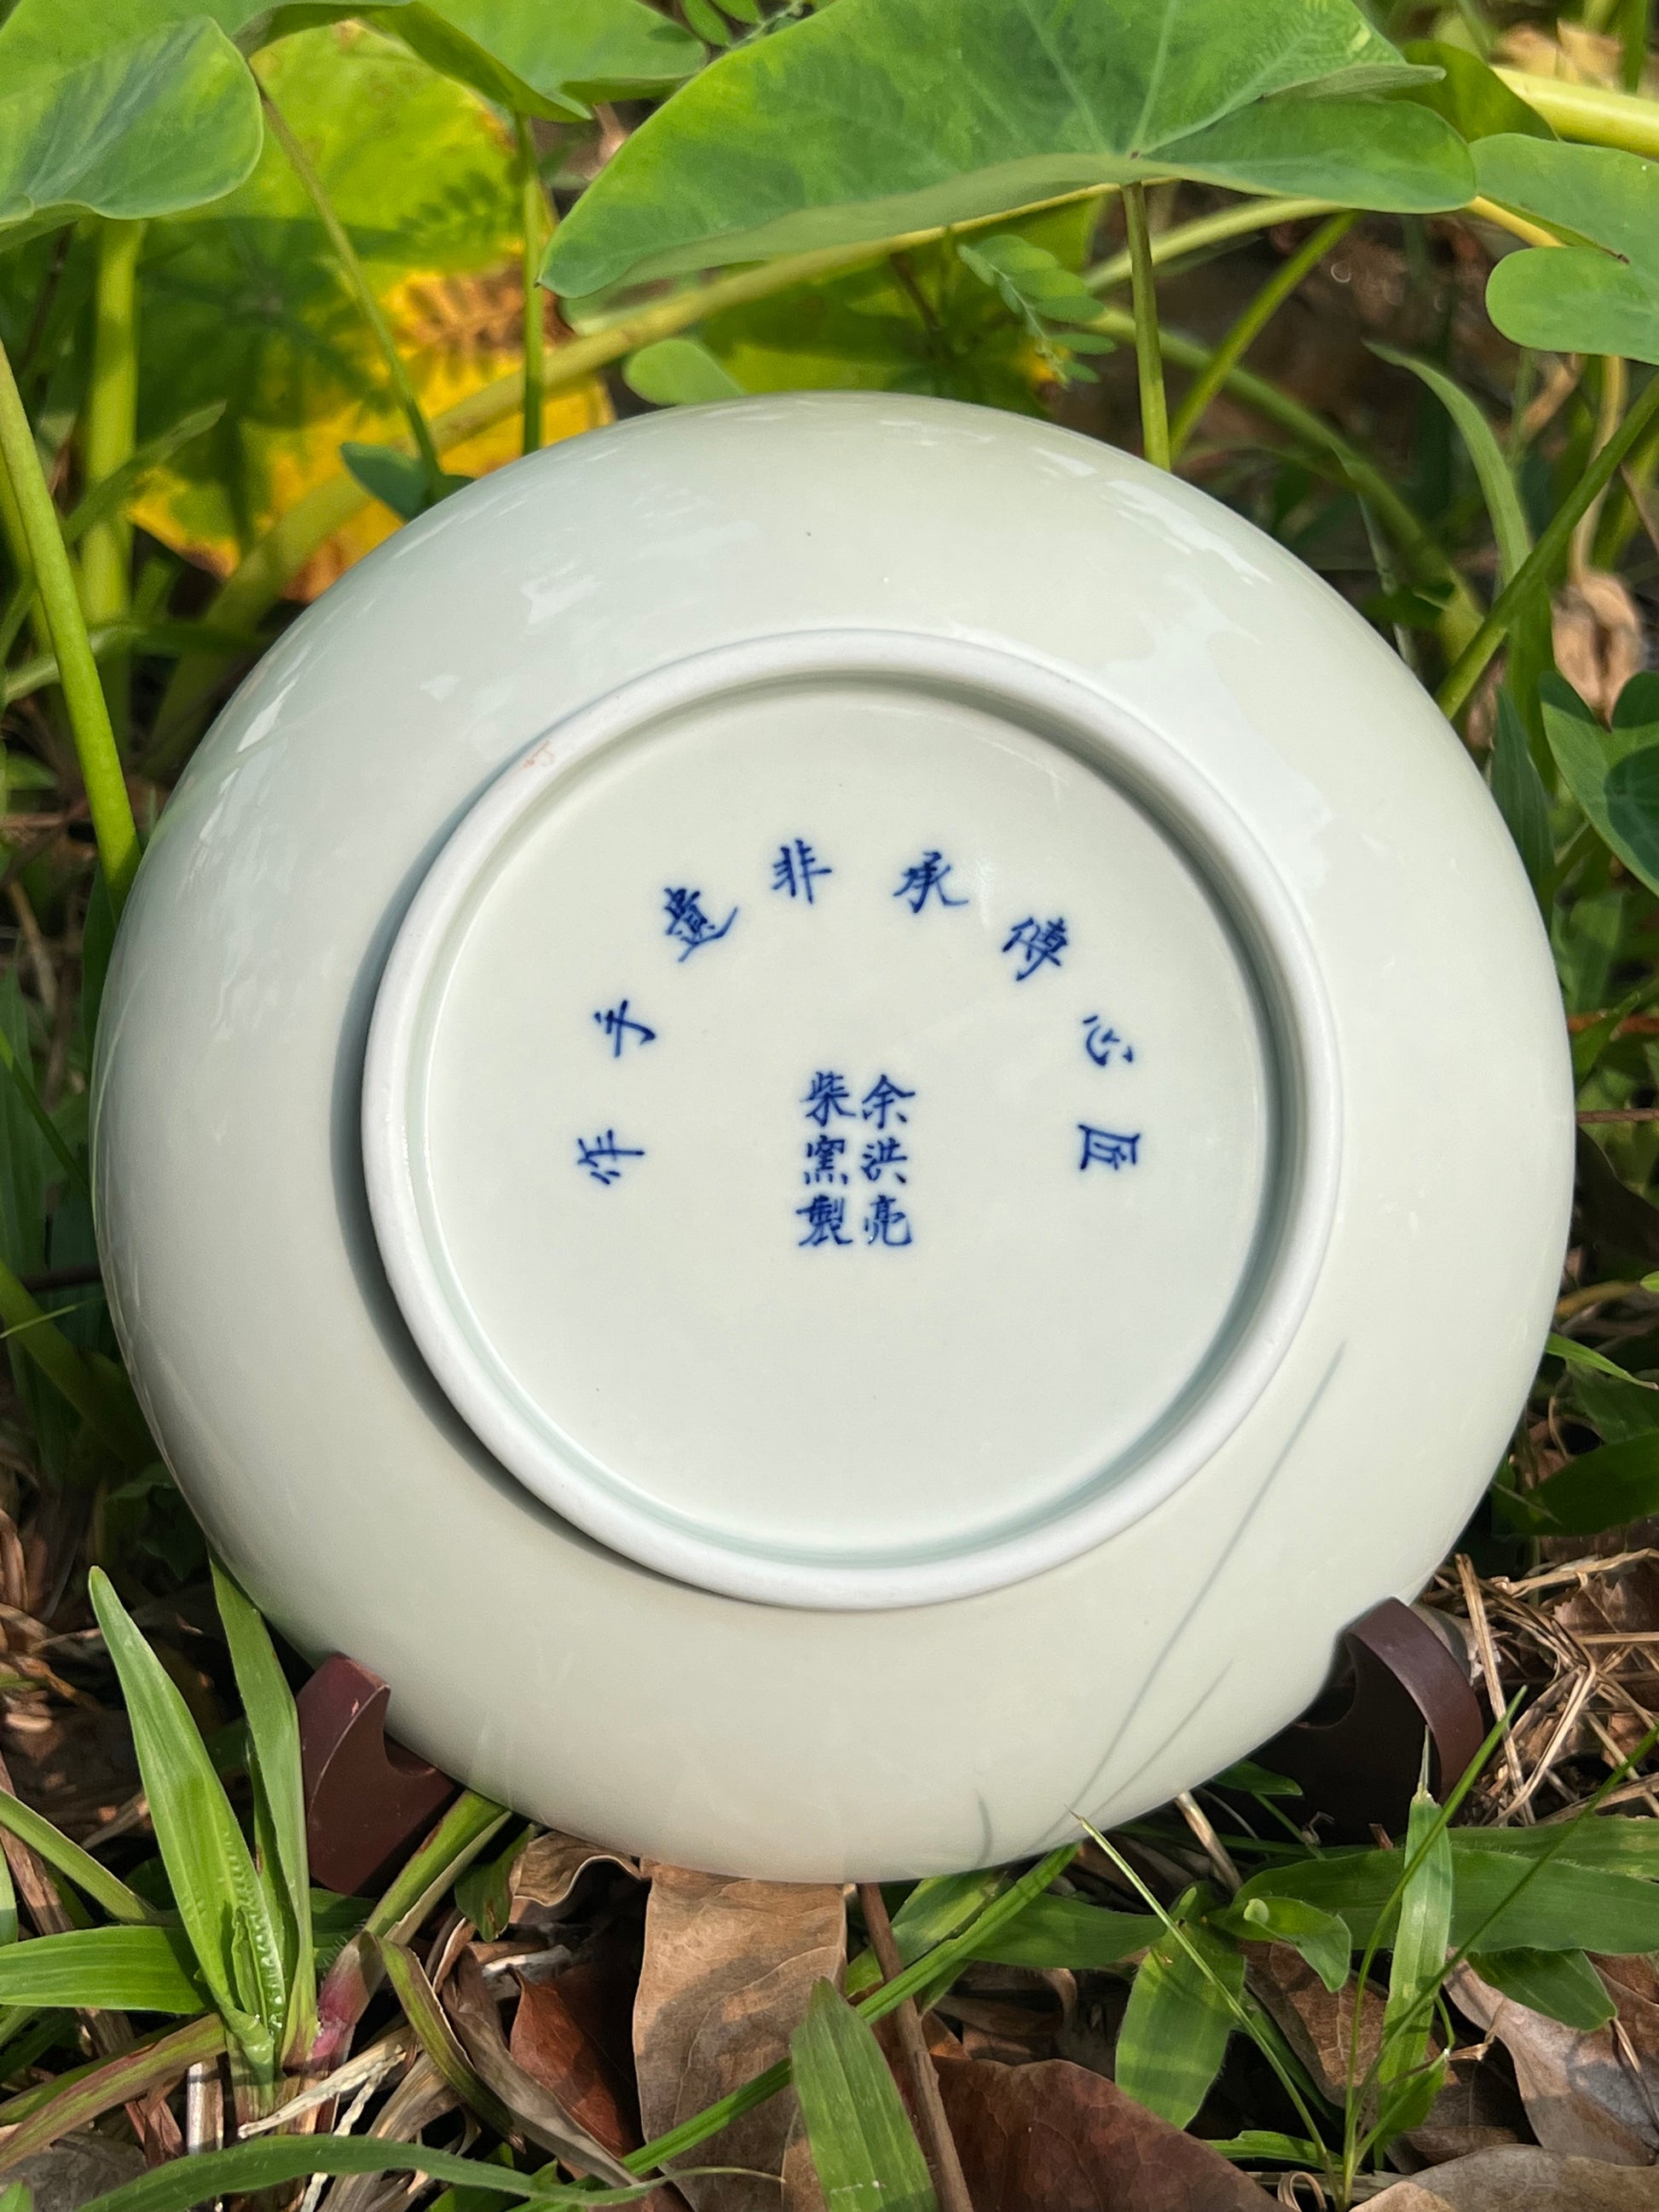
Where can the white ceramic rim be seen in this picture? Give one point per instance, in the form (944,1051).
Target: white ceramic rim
(1300,1041)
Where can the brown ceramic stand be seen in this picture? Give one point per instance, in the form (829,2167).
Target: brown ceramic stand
(1358,1751)
(1357,1754)
(366,1796)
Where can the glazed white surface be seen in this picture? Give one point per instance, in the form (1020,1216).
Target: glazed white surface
(331,1471)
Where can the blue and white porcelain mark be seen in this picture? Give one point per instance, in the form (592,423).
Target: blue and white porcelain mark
(843,1110)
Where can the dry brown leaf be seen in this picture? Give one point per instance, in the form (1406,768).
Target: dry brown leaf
(550,1867)
(542,2115)
(1054,2137)
(553,2047)
(1524,2179)
(1318,2026)
(1582,2098)
(1599,644)
(1570,51)
(728,1968)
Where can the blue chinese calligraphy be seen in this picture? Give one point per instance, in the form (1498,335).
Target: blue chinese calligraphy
(616,1023)
(689,923)
(828,1094)
(603,1157)
(1107,1148)
(824,1218)
(823,1160)
(881,1099)
(797,868)
(886,1223)
(1038,942)
(829,1097)
(881,1154)
(1104,1045)
(927,875)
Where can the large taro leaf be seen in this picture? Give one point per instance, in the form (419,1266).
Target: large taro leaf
(244,305)
(547,60)
(876,117)
(1598,297)
(144,126)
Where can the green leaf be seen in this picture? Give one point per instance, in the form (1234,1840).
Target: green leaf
(1474,99)
(1176,2026)
(1586,755)
(1630,795)
(274,1769)
(862,331)
(861,2139)
(243,308)
(1064,1931)
(1602,1490)
(209,1865)
(1032,282)
(1255,1781)
(1518,792)
(1598,297)
(555,61)
(90,1876)
(1498,487)
(1617,1842)
(1561,1984)
(106,1969)
(397,479)
(1565,1905)
(1321,1937)
(879,117)
(679,373)
(110,494)
(484,1892)
(272,2161)
(1597,1363)
(1422,1936)
(145,127)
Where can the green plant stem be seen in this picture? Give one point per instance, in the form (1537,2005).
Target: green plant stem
(1149,361)
(109,436)
(260,579)
(357,283)
(1539,568)
(1424,557)
(1203,232)
(1590,113)
(536,231)
(947,1958)
(115,831)
(1248,326)
(1609,407)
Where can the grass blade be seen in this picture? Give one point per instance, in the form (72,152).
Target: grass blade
(85,2094)
(89,1876)
(1176,2027)
(273,1729)
(862,2143)
(104,1969)
(208,1864)
(272,2161)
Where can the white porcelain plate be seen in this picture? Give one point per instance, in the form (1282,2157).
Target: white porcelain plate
(847,1123)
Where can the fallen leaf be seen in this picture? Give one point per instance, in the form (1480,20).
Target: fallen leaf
(1599,644)
(553,2049)
(728,1968)
(1524,2179)
(72,2172)
(542,2114)
(1054,2137)
(1015,2014)
(550,1867)
(1581,2097)
(1317,2025)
